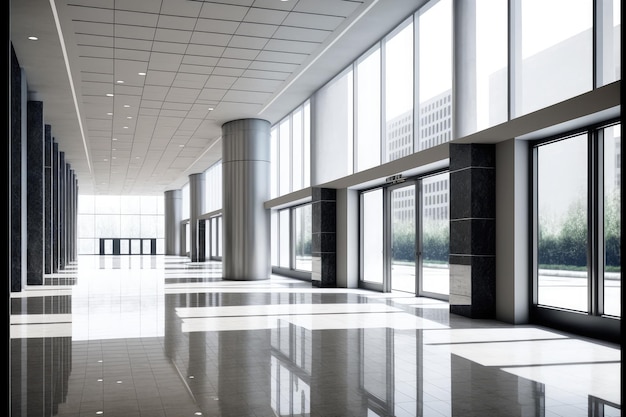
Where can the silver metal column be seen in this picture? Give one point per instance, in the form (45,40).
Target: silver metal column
(246,186)
(173,217)
(196,209)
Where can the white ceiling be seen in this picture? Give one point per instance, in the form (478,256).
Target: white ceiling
(240,58)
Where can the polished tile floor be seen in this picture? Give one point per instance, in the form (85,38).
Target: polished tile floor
(160,336)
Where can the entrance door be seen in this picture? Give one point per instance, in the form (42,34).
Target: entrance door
(403,242)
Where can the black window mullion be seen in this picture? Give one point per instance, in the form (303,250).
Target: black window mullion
(593,218)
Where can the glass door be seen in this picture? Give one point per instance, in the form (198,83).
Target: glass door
(405,237)
(403,248)
(372,239)
(434,230)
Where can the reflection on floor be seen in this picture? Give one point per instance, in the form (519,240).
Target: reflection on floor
(160,336)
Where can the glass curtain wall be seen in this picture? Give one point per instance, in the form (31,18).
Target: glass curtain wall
(128,218)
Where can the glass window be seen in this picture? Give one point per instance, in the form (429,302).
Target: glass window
(435,223)
(148,204)
(296,145)
(612,223)
(130,225)
(334,125)
(108,204)
(284,151)
(491,63)
(213,187)
(107,225)
(372,240)
(609,37)
(554,54)
(399,92)
(562,276)
(368,110)
(284,239)
(434,74)
(306,149)
(274,236)
(303,237)
(274,160)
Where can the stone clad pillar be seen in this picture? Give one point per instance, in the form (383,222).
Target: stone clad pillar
(472,230)
(35,195)
(246,186)
(173,217)
(324,237)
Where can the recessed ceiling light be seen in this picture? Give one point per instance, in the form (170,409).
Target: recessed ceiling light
(181,146)
(109,95)
(33,38)
(129,117)
(114,138)
(120,81)
(105,159)
(136,157)
(211,109)
(127,105)
(141,73)
(115,157)
(109,114)
(125,127)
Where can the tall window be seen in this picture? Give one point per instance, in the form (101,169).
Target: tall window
(291,238)
(578,223)
(554,53)
(368,110)
(334,129)
(290,143)
(434,74)
(562,276)
(213,184)
(398,86)
(609,45)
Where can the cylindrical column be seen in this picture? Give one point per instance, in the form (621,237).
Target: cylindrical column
(196,209)
(173,216)
(245,180)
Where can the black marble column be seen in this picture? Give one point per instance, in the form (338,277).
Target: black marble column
(201,240)
(55,206)
(35,196)
(62,225)
(48,225)
(17,172)
(472,230)
(323,243)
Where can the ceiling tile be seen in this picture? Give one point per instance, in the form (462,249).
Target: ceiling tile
(125,17)
(256,15)
(279,45)
(256,29)
(216,26)
(301,34)
(223,11)
(210,38)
